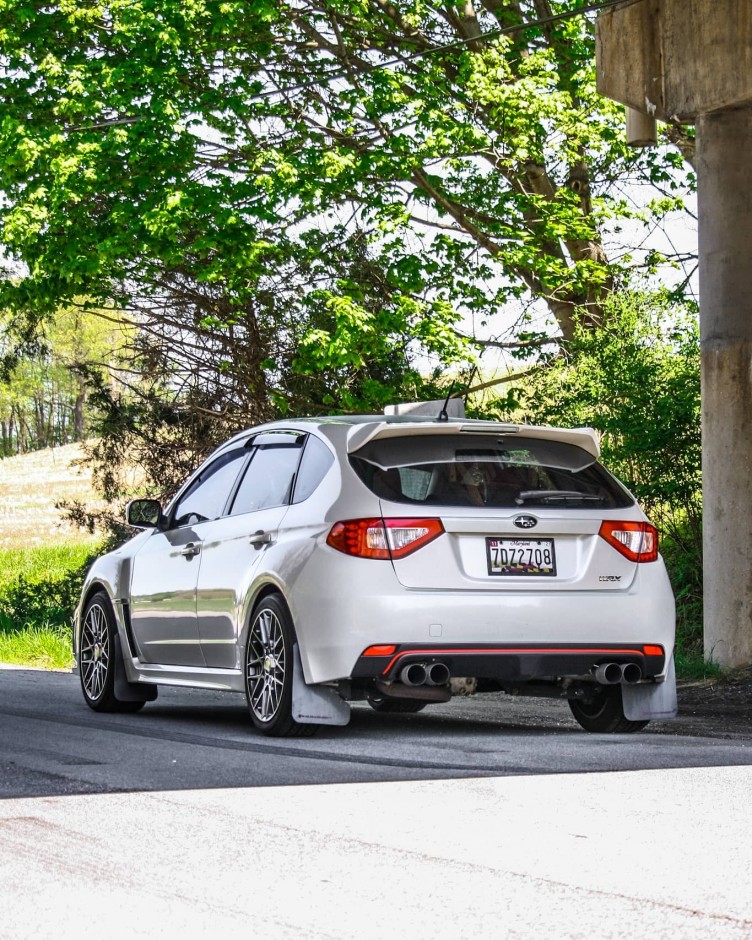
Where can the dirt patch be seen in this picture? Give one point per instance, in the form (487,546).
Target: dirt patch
(720,708)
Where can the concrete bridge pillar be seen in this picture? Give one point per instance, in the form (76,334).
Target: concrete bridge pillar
(724,161)
(690,61)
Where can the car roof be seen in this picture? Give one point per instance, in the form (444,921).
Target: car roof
(366,428)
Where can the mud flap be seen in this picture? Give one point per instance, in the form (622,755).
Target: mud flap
(651,701)
(126,691)
(315,704)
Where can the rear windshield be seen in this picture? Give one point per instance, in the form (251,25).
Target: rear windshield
(482,470)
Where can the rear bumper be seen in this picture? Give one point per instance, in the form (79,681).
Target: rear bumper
(342,605)
(511,662)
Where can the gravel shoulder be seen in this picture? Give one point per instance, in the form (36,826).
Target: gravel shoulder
(719,708)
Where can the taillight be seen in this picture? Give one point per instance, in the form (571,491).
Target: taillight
(383,538)
(637,541)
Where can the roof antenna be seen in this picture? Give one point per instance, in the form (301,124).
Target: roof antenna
(443,415)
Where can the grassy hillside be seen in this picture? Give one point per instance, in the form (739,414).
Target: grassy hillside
(30,486)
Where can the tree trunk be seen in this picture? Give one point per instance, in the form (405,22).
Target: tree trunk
(79,427)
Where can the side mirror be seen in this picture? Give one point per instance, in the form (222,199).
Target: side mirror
(144,513)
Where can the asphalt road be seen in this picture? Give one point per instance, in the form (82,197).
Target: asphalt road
(51,743)
(487,817)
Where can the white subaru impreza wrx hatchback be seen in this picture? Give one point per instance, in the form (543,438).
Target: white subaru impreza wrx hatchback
(394,559)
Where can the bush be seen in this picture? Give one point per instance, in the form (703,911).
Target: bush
(40,587)
(42,646)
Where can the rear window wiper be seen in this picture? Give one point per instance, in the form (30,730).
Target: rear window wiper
(556,496)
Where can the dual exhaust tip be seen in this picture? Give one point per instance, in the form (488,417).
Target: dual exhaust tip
(435,674)
(614,673)
(424,674)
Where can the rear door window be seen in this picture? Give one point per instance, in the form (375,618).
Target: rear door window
(269,478)
(481,470)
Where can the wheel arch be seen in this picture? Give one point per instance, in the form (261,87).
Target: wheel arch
(109,575)
(260,591)
(266,590)
(263,590)
(90,588)
(96,587)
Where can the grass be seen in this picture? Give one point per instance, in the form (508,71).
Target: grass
(692,667)
(681,552)
(38,589)
(46,563)
(46,646)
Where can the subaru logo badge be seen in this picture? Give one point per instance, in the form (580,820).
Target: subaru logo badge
(525,522)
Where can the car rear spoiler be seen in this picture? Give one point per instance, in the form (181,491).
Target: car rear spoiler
(360,435)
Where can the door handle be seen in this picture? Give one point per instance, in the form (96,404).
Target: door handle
(190,550)
(260,538)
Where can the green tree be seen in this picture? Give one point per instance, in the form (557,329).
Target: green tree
(242,146)
(305,207)
(636,380)
(43,395)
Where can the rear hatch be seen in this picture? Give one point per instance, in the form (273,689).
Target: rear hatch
(520,511)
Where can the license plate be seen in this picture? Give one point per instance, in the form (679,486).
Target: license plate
(521,557)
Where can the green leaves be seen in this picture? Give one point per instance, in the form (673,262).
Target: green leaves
(245,149)
(636,379)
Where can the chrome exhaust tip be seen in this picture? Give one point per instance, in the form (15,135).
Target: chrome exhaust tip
(437,674)
(607,673)
(631,673)
(414,674)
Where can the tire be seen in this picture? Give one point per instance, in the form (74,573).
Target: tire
(604,713)
(395,706)
(97,657)
(268,670)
